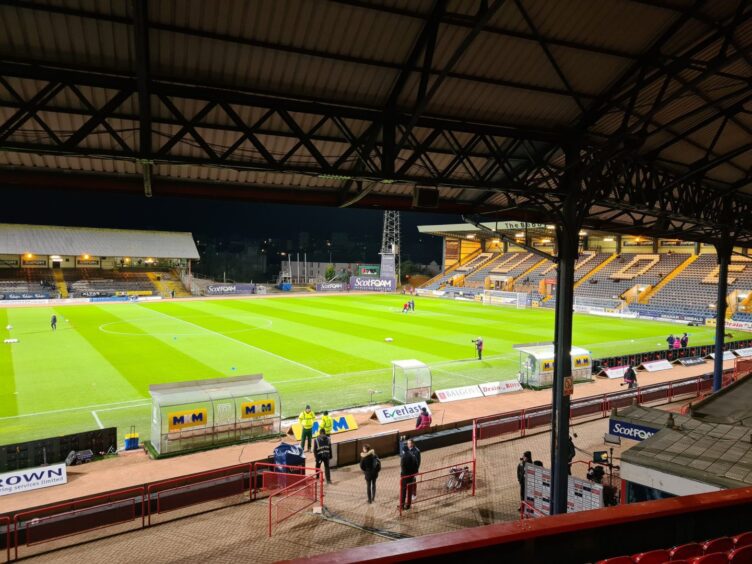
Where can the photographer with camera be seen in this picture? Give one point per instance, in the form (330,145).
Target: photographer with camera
(479,347)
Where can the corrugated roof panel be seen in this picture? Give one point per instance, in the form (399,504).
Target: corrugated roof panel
(617,24)
(16,239)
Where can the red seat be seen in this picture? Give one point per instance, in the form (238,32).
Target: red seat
(616,560)
(745,539)
(689,550)
(722,544)
(741,555)
(652,557)
(712,558)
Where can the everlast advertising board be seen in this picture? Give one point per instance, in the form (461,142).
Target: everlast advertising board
(331,287)
(361,284)
(225,289)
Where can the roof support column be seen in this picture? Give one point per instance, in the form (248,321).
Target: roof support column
(567,235)
(723,250)
(141,42)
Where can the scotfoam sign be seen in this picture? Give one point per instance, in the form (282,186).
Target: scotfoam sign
(32,479)
(630,430)
(331,287)
(400,412)
(221,289)
(372,284)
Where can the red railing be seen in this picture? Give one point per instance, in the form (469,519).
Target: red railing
(181,492)
(68,519)
(5,524)
(527,508)
(273,480)
(290,501)
(439,482)
(518,423)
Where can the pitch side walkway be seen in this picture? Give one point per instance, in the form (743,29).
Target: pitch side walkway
(135,468)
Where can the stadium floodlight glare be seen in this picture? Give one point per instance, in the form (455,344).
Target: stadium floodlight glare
(29,255)
(519,235)
(545,240)
(608,239)
(471,236)
(583,232)
(550,227)
(86,257)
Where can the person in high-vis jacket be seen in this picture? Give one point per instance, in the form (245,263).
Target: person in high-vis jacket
(327,423)
(307,418)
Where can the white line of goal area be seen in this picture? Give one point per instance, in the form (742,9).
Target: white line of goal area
(209,331)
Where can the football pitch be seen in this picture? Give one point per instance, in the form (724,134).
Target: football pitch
(329,351)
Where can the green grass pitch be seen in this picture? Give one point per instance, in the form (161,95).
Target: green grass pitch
(329,351)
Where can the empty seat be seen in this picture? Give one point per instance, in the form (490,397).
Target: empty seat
(741,555)
(652,557)
(689,550)
(712,558)
(744,539)
(616,560)
(722,544)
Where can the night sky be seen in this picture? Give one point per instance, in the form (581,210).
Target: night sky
(216,219)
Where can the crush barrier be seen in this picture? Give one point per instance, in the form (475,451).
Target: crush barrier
(514,424)
(457,479)
(287,502)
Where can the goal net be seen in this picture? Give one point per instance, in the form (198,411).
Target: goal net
(520,300)
(596,305)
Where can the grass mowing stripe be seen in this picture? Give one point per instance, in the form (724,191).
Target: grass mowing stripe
(212,332)
(437,348)
(8,403)
(126,353)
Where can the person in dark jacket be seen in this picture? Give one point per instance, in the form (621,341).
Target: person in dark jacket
(408,469)
(527,458)
(630,378)
(684,341)
(322,450)
(371,466)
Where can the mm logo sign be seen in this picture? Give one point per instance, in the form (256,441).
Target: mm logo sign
(253,409)
(342,424)
(180,420)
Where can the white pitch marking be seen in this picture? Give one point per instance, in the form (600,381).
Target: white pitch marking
(80,408)
(243,343)
(96,418)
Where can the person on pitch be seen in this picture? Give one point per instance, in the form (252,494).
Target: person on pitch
(53,322)
(479,347)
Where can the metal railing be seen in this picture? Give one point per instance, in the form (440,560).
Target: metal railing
(288,502)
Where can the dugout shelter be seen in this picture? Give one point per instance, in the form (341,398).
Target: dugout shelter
(411,381)
(537,365)
(205,413)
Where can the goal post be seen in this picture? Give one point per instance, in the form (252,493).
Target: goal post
(520,300)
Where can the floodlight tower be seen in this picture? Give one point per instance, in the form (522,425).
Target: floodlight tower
(390,246)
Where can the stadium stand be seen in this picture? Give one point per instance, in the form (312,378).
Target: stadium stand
(719,550)
(86,282)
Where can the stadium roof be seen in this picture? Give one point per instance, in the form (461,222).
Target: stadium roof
(501,105)
(16,239)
